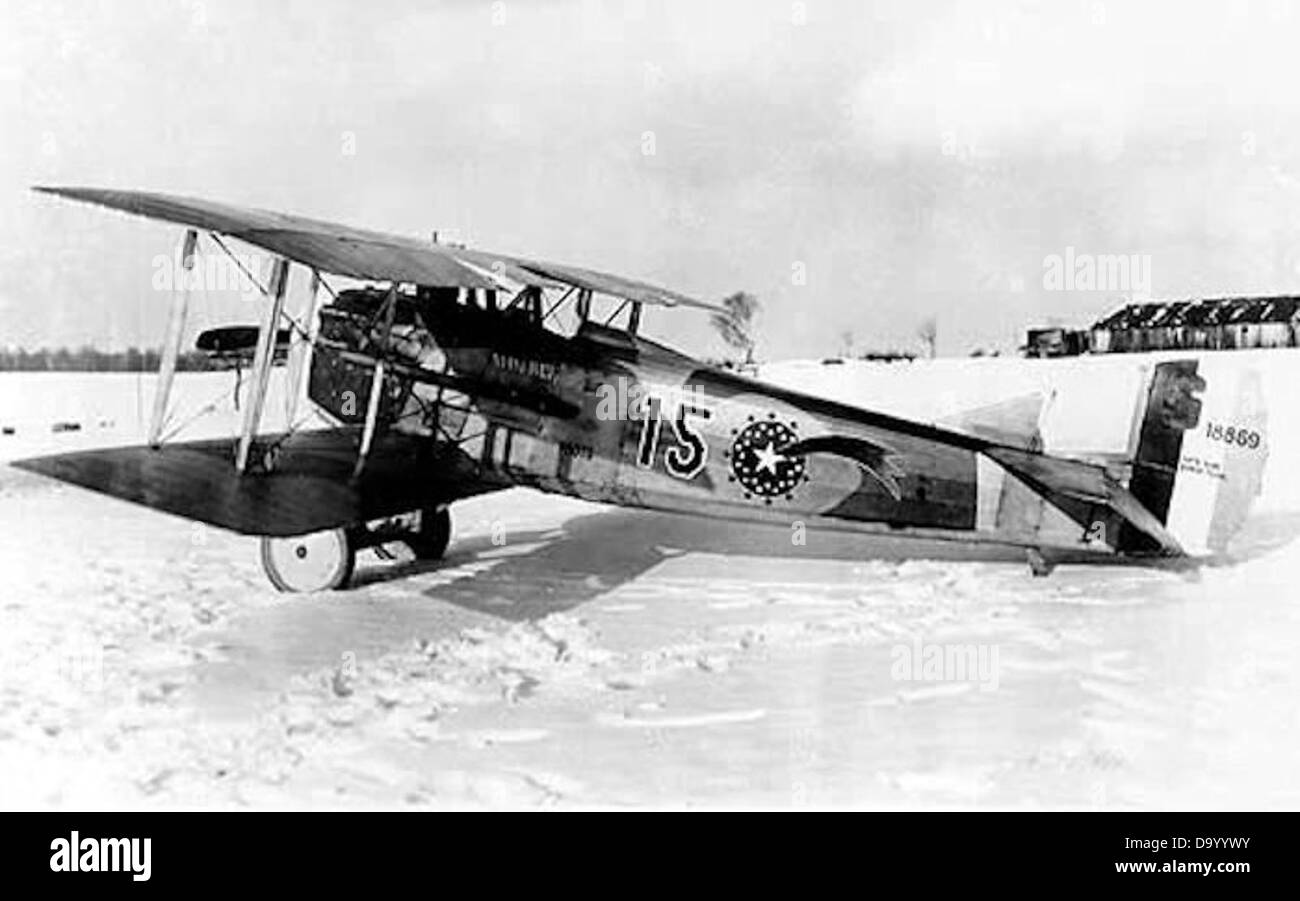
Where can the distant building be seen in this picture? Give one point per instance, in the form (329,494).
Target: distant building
(1220,324)
(1056,342)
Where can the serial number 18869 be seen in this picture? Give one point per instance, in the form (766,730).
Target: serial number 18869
(1242,437)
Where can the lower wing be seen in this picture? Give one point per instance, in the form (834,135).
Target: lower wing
(310,488)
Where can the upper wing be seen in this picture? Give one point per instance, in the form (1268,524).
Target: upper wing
(311,489)
(364,254)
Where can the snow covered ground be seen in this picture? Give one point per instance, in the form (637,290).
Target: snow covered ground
(608,658)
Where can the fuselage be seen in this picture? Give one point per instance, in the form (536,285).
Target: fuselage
(610,416)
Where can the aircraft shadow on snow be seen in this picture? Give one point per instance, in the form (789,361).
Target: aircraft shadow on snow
(592,554)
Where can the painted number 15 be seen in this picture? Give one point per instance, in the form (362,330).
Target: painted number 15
(686,456)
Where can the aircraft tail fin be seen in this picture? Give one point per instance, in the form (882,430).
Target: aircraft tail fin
(1200,443)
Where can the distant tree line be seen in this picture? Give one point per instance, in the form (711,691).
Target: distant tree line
(90,359)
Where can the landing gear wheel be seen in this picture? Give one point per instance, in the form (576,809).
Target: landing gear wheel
(320,561)
(429,541)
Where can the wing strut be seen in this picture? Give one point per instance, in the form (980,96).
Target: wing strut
(263,357)
(389,313)
(299,354)
(172,346)
(372,418)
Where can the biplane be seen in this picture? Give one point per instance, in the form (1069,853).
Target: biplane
(449,372)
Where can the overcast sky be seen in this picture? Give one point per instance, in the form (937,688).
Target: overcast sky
(858,166)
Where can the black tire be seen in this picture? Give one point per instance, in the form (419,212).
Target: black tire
(321,561)
(430,541)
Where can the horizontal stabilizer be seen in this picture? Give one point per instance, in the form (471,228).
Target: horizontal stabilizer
(1084,482)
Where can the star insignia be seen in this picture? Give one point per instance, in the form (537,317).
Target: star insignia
(757,463)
